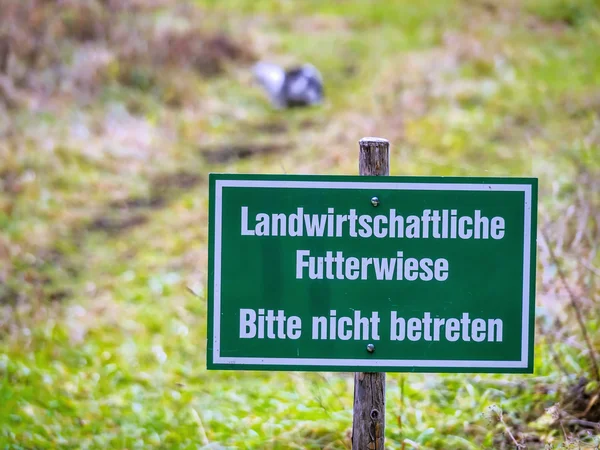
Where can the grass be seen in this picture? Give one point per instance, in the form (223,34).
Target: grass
(103,218)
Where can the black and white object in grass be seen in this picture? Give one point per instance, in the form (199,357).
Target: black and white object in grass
(299,86)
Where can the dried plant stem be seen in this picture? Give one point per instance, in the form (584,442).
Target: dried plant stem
(507,429)
(201,431)
(574,304)
(4,53)
(591,268)
(583,423)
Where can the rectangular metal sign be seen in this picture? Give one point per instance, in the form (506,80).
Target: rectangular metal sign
(349,273)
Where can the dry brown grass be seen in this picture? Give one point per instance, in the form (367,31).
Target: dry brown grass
(75,48)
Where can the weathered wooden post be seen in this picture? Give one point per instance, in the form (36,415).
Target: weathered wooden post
(368,424)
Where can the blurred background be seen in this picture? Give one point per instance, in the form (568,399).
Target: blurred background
(113,112)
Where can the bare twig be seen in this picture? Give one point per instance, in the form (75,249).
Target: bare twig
(590,404)
(4,53)
(507,430)
(566,436)
(575,306)
(583,423)
(591,268)
(564,418)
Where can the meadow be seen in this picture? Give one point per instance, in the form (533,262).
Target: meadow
(112,115)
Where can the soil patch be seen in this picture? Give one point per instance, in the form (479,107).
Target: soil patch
(225,153)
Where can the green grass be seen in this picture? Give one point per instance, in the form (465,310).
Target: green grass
(103,222)
(570,12)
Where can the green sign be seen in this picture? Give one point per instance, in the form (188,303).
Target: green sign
(394,274)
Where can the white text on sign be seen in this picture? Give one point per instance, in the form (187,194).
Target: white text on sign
(271,324)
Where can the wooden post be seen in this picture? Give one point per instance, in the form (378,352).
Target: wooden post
(368,422)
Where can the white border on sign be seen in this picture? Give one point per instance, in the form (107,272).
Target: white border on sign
(522,363)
